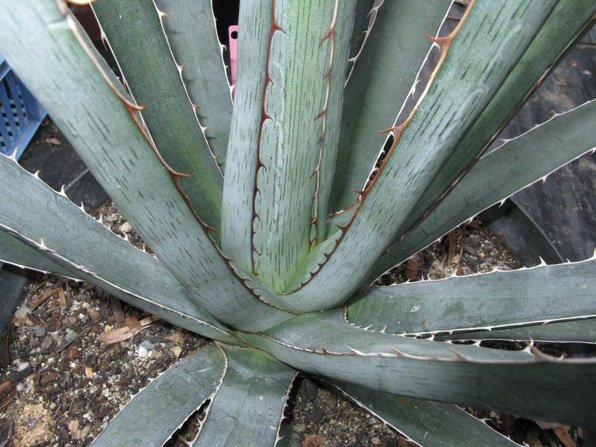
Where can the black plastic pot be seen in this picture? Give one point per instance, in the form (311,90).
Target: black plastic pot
(555,219)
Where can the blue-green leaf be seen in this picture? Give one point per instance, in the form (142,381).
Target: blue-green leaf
(531,296)
(248,407)
(154,414)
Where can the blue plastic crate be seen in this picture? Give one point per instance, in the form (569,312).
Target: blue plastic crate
(20,113)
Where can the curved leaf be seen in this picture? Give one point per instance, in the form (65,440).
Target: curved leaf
(499,174)
(574,331)
(248,407)
(78,237)
(191,33)
(461,89)
(109,142)
(531,296)
(568,21)
(293,133)
(382,78)
(528,384)
(242,161)
(154,414)
(429,424)
(135,34)
(82,255)
(298,137)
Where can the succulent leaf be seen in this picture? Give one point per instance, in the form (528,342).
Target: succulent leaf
(423,144)
(430,424)
(135,180)
(568,22)
(505,381)
(314,203)
(303,52)
(478,301)
(134,31)
(82,255)
(574,331)
(498,175)
(193,40)
(169,399)
(248,407)
(382,76)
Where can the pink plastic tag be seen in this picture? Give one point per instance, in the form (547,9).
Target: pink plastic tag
(233,38)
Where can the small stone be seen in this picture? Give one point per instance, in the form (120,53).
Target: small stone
(94,314)
(46,343)
(69,320)
(23,370)
(310,389)
(90,359)
(473,239)
(125,227)
(469,248)
(148,345)
(144,352)
(21,313)
(177,350)
(70,334)
(39,331)
(502,266)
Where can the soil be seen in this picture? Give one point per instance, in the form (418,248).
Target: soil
(73,356)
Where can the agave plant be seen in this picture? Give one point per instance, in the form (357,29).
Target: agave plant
(269,210)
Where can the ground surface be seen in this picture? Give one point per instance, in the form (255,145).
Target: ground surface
(76,355)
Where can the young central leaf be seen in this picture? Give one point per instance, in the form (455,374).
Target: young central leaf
(294,143)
